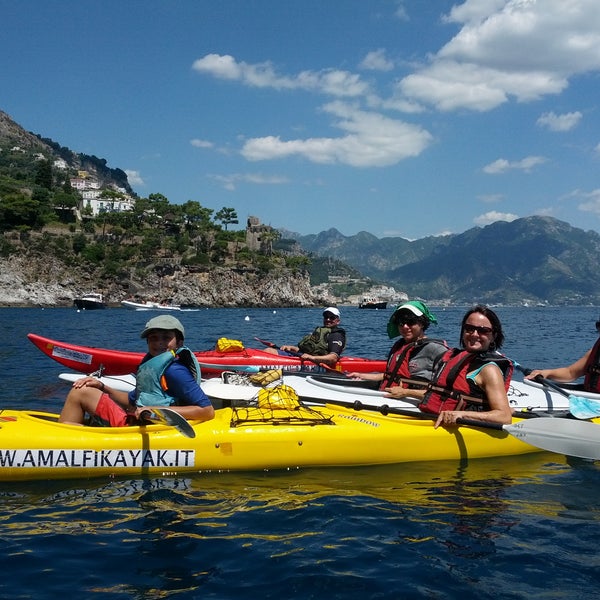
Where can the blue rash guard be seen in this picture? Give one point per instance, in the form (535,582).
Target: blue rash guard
(182,389)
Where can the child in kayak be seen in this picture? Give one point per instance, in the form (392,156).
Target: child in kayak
(169,375)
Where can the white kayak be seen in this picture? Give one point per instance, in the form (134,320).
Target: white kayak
(523,395)
(124,383)
(217,389)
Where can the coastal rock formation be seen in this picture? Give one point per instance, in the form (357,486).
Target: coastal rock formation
(40,280)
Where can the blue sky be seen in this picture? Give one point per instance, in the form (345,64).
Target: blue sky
(397,117)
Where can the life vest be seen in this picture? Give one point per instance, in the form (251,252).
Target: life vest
(591,382)
(316,342)
(397,371)
(450,388)
(151,385)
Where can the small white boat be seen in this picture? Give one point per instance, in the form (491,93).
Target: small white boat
(91,301)
(149,305)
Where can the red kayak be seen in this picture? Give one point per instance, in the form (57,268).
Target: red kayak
(87,359)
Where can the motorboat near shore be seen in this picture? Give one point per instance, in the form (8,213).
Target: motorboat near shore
(149,305)
(91,301)
(373,303)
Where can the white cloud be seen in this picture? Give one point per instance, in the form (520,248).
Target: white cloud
(230,182)
(545,212)
(328,81)
(474,11)
(492,217)
(508,48)
(564,122)
(377,61)
(502,165)
(134,177)
(197,143)
(401,13)
(592,201)
(372,140)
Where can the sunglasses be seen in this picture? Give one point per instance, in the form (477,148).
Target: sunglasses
(329,317)
(475,328)
(409,321)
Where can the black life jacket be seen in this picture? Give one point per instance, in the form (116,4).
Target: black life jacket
(591,382)
(450,388)
(315,343)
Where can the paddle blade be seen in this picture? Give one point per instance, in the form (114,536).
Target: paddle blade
(563,436)
(584,408)
(169,417)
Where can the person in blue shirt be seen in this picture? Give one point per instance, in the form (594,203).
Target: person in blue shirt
(169,375)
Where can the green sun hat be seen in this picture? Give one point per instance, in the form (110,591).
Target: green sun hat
(416,307)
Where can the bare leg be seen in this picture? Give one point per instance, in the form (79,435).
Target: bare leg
(79,401)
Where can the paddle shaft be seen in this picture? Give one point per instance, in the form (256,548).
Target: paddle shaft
(560,435)
(385,409)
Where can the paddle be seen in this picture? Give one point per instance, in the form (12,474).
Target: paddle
(580,407)
(171,418)
(298,354)
(563,436)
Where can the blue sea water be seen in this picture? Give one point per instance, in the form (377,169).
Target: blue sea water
(517,527)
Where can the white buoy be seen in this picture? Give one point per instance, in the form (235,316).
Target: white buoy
(247,318)
(274,312)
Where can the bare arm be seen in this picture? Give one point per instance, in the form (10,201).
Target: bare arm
(366,376)
(401,392)
(490,380)
(120,397)
(570,373)
(329,359)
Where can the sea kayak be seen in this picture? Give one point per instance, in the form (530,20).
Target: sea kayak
(34,445)
(523,396)
(88,359)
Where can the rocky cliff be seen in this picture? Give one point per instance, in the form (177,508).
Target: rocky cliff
(37,280)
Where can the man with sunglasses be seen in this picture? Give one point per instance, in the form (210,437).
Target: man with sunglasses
(324,345)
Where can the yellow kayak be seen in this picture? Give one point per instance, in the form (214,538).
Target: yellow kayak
(33,445)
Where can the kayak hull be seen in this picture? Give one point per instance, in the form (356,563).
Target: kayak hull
(33,445)
(88,359)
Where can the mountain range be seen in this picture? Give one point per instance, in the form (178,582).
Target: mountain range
(529,260)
